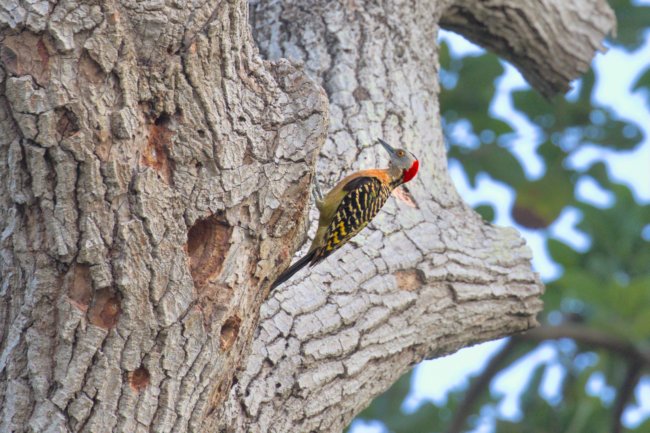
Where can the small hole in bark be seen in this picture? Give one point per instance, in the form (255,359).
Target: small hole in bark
(68,123)
(113,18)
(105,309)
(163,119)
(208,242)
(221,388)
(408,279)
(278,385)
(156,152)
(139,378)
(229,332)
(9,58)
(201,133)
(208,245)
(241,119)
(361,93)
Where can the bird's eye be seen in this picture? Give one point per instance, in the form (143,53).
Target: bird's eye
(400,153)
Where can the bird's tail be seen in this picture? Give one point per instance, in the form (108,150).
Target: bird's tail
(288,273)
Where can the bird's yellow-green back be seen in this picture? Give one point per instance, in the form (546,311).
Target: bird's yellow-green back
(348,208)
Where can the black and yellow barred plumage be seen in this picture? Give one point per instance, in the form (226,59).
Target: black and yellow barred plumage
(365,197)
(362,197)
(351,205)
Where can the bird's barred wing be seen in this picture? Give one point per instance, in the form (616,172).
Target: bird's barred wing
(364,197)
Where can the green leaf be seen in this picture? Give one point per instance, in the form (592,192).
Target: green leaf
(632,21)
(493,159)
(540,202)
(569,124)
(473,92)
(562,253)
(486,211)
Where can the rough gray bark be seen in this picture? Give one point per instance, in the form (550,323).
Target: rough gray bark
(430,277)
(154,172)
(154,179)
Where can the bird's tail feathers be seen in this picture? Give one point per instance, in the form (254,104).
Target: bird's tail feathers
(291,270)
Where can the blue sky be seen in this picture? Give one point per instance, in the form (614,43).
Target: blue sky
(616,70)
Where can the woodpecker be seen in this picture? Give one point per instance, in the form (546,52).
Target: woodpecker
(352,204)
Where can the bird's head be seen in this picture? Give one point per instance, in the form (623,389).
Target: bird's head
(403,165)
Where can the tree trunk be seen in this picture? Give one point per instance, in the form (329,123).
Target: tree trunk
(155,178)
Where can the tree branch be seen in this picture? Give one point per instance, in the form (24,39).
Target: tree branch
(625,394)
(551,42)
(582,334)
(638,357)
(479,385)
(589,336)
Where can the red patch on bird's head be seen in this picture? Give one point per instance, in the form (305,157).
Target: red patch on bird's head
(411,172)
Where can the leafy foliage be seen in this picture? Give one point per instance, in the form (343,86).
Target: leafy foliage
(604,288)
(632,22)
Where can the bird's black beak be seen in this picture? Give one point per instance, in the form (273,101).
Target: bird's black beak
(388,147)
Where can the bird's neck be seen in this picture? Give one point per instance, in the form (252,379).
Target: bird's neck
(396,175)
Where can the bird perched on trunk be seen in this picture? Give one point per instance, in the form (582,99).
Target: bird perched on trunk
(352,204)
